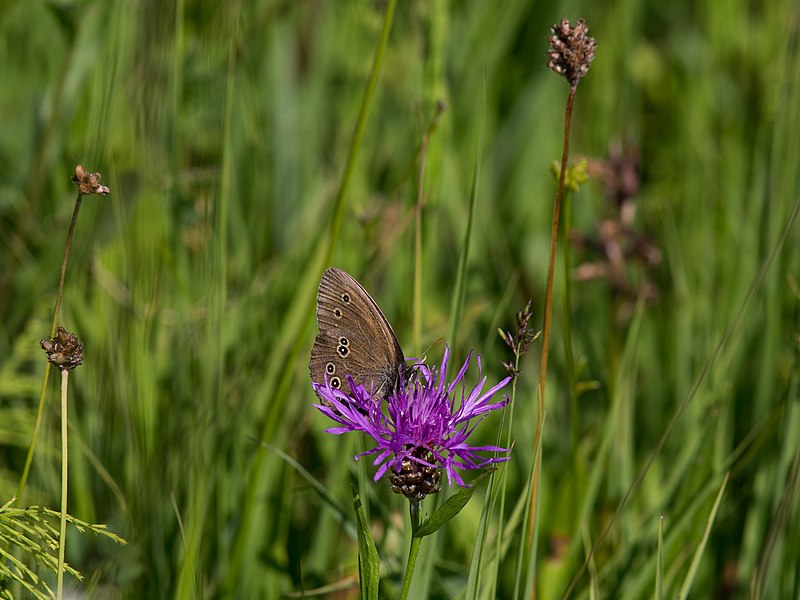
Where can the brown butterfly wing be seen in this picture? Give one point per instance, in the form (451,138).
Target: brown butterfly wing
(354,338)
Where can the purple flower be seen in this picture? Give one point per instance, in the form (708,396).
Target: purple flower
(421,429)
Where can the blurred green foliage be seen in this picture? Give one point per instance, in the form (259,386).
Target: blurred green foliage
(222,130)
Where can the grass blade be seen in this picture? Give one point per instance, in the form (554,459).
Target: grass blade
(698,555)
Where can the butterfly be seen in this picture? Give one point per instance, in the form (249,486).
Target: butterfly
(354,339)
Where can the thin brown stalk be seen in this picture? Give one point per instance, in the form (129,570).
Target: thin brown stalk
(548,309)
(59,295)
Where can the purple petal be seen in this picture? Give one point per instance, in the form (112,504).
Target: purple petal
(460,374)
(429,422)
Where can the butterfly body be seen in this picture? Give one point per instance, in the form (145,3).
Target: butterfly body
(354,339)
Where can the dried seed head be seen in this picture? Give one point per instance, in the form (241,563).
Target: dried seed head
(64,351)
(415,481)
(571,50)
(520,342)
(89,183)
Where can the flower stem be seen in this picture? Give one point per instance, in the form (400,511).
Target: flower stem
(548,305)
(62,538)
(413,509)
(56,309)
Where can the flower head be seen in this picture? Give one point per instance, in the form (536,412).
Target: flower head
(422,428)
(571,50)
(64,351)
(89,183)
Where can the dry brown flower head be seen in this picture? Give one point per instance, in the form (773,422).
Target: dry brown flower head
(89,183)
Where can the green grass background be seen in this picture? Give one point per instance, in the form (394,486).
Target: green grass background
(223,131)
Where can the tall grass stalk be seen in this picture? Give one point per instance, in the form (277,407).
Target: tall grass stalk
(528,555)
(659,591)
(569,353)
(419,205)
(202,311)
(570,55)
(686,588)
(291,338)
(62,537)
(520,342)
(546,324)
(459,290)
(54,324)
(700,378)
(417,311)
(508,420)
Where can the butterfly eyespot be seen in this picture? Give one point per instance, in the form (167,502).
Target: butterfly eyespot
(335,383)
(330,368)
(346,298)
(343,341)
(337,312)
(343,351)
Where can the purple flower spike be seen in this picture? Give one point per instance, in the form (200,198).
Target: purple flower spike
(421,429)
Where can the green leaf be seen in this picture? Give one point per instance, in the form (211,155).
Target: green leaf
(369,564)
(452,506)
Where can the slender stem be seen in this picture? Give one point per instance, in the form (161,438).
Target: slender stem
(413,509)
(721,345)
(418,246)
(548,298)
(361,124)
(420,204)
(62,538)
(548,308)
(501,515)
(416,517)
(59,294)
(246,532)
(567,329)
(67,247)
